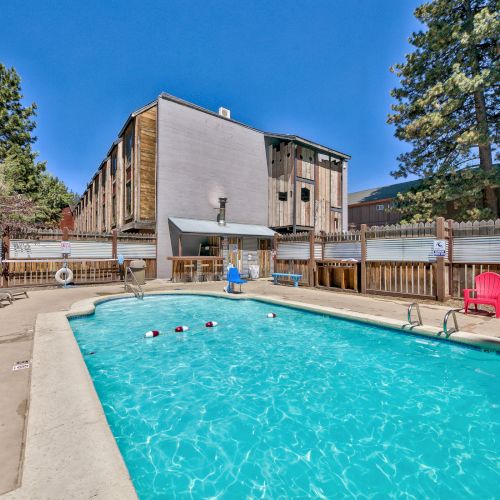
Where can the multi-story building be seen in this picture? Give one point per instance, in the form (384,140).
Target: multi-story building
(174,160)
(374,207)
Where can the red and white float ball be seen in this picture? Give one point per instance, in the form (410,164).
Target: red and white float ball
(271,315)
(152,333)
(211,324)
(181,328)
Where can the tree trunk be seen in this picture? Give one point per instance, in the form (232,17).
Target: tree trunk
(484,143)
(484,146)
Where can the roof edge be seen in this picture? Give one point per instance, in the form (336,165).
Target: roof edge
(135,113)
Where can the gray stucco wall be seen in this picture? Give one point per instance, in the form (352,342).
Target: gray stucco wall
(200,158)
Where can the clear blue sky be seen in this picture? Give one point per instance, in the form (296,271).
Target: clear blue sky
(319,69)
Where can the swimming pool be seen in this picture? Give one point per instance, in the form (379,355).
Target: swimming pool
(296,406)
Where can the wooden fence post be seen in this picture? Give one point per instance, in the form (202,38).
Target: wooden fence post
(323,243)
(440,264)
(4,251)
(274,253)
(312,260)
(276,241)
(114,244)
(363,257)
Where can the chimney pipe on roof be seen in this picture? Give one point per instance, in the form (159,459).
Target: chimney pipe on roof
(226,113)
(221,216)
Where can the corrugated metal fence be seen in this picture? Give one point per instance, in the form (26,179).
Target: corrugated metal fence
(43,249)
(401,250)
(476,249)
(400,260)
(34,258)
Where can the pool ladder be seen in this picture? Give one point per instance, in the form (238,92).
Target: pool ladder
(454,328)
(133,285)
(415,322)
(418,322)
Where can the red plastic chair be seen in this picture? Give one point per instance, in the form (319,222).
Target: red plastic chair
(487,292)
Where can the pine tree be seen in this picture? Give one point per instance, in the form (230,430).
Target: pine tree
(447,106)
(28,194)
(16,121)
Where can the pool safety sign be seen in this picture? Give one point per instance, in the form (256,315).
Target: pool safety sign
(439,248)
(21,365)
(66,247)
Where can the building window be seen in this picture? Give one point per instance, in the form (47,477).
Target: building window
(380,208)
(103,176)
(128,198)
(282,196)
(129,140)
(305,194)
(103,216)
(113,209)
(113,164)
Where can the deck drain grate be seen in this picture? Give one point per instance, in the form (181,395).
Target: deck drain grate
(21,365)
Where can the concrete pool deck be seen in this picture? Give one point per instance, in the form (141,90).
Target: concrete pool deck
(59,422)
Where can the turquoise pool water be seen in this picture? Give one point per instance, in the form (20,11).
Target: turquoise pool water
(302,405)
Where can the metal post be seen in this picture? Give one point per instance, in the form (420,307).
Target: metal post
(345,209)
(294,200)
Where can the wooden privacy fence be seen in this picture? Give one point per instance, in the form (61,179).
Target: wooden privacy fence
(396,259)
(32,258)
(42,272)
(401,278)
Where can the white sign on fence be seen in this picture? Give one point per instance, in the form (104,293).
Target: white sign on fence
(66,247)
(439,248)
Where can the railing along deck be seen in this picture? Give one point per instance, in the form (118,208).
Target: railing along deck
(34,272)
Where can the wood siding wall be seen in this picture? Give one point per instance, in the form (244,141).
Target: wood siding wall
(293,169)
(280,166)
(146,128)
(95,209)
(367,213)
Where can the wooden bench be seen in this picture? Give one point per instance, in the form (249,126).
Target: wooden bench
(294,277)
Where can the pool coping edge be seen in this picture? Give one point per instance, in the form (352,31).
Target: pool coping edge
(86,307)
(53,332)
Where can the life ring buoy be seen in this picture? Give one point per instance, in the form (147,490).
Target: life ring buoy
(68,276)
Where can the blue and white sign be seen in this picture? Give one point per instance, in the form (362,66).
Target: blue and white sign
(439,248)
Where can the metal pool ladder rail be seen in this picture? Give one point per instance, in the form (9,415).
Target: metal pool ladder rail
(133,285)
(454,328)
(417,322)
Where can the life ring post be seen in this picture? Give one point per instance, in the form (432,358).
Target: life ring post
(68,275)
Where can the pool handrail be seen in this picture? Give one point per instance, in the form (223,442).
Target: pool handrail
(454,328)
(412,323)
(137,291)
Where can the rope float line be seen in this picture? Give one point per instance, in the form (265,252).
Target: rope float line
(156,333)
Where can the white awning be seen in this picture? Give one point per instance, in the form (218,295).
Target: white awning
(199,226)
